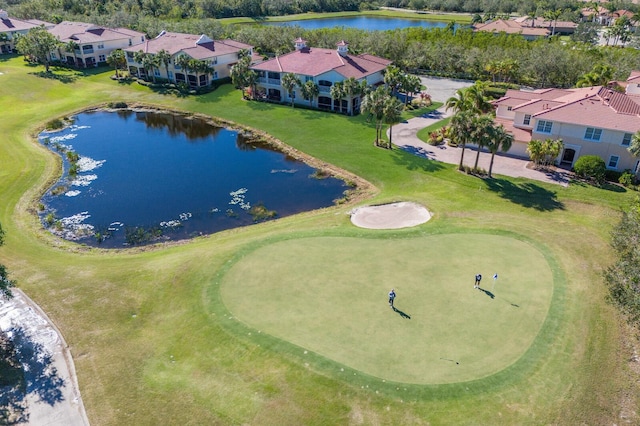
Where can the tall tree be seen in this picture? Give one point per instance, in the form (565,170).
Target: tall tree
(410,84)
(310,91)
(289,81)
(460,128)
(5,282)
(117,60)
(38,43)
(393,78)
(481,134)
(501,141)
(392,113)
(553,16)
(73,47)
(239,73)
(374,104)
(337,93)
(164,58)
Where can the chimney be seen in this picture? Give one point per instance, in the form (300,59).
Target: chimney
(300,43)
(343,48)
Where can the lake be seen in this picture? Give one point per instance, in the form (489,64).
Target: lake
(144,177)
(371,23)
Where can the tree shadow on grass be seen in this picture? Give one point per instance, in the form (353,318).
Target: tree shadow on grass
(39,377)
(527,194)
(414,158)
(63,78)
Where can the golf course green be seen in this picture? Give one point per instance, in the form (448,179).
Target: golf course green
(332,300)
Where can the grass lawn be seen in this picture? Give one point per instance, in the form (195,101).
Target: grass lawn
(154,332)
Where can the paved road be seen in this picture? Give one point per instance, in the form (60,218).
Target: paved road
(405,137)
(52,396)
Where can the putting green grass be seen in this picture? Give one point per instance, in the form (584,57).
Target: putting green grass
(333,301)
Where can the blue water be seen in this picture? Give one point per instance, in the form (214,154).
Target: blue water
(371,23)
(172,178)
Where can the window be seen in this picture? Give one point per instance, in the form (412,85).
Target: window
(53,56)
(170,75)
(156,72)
(325,83)
(214,61)
(509,108)
(592,134)
(527,119)
(308,78)
(215,75)
(130,43)
(613,162)
(544,126)
(102,58)
(626,140)
(101,46)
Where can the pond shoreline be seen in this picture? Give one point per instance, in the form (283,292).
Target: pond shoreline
(359,188)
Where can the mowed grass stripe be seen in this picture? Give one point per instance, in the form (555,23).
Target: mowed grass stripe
(329,295)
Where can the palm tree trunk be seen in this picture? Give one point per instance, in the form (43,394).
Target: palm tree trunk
(391,136)
(491,163)
(475,165)
(462,155)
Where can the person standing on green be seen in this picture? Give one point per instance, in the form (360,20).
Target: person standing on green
(392,296)
(478,279)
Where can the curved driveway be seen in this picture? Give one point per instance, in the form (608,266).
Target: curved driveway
(405,137)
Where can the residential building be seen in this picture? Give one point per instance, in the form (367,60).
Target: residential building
(555,27)
(590,121)
(509,26)
(218,55)
(11,27)
(93,43)
(324,67)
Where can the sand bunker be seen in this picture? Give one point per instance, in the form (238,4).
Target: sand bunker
(390,216)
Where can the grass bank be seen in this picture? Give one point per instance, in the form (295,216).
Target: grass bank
(149,349)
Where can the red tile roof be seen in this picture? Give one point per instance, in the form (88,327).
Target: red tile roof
(510,26)
(520,135)
(590,106)
(14,24)
(196,46)
(316,61)
(82,32)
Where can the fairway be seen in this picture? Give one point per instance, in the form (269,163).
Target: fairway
(329,295)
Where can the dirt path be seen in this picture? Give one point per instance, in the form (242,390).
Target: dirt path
(52,395)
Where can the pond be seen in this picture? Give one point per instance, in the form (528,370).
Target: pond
(371,23)
(142,177)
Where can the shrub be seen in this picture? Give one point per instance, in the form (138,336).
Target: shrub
(627,178)
(55,124)
(591,167)
(612,175)
(117,105)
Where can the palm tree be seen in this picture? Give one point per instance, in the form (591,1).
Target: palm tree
(164,58)
(393,78)
(182,62)
(392,113)
(460,128)
(373,103)
(477,101)
(239,73)
(553,15)
(501,141)
(72,46)
(149,62)
(410,84)
(350,87)
(289,82)
(481,134)
(309,91)
(600,75)
(337,93)
(117,59)
(459,102)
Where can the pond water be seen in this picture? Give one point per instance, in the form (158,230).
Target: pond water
(371,23)
(144,177)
